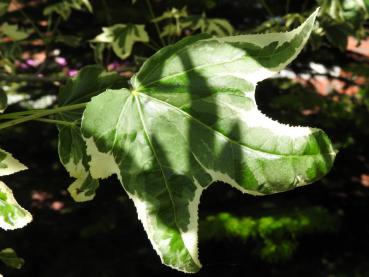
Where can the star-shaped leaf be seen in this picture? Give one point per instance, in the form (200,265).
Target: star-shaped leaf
(214,26)
(190,120)
(122,37)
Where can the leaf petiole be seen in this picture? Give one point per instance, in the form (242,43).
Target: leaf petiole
(20,114)
(42,113)
(55,121)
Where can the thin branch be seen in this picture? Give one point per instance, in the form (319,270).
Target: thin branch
(287,8)
(148,2)
(32,78)
(37,30)
(19,114)
(44,113)
(267,8)
(152,47)
(54,121)
(329,76)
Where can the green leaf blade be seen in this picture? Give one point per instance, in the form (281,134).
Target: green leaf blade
(250,57)
(190,120)
(137,163)
(90,81)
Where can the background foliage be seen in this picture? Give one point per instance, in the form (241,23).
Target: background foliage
(319,230)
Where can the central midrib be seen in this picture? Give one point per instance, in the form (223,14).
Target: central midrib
(163,174)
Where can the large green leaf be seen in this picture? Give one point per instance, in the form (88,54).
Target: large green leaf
(90,81)
(122,37)
(190,120)
(12,215)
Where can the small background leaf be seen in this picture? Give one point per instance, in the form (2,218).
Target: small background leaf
(122,37)
(14,32)
(10,258)
(4,4)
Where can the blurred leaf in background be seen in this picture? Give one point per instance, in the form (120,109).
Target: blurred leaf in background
(10,258)
(122,37)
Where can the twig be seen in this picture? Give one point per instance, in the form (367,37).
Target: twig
(155,23)
(54,121)
(266,7)
(343,79)
(287,8)
(32,78)
(44,113)
(37,30)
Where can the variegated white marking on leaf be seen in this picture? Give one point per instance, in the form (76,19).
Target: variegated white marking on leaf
(74,169)
(190,236)
(141,207)
(143,216)
(76,194)
(300,181)
(252,77)
(13,165)
(17,216)
(256,119)
(263,40)
(150,133)
(102,165)
(220,176)
(225,178)
(78,171)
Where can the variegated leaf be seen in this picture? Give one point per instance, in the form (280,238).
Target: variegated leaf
(190,120)
(122,37)
(12,215)
(64,8)
(90,81)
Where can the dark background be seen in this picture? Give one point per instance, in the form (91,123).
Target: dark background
(318,230)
